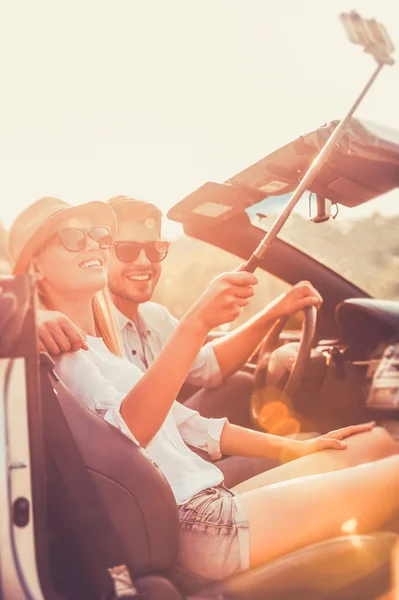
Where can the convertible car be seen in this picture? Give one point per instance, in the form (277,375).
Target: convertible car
(85,515)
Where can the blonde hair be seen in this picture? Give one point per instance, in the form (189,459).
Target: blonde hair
(104,322)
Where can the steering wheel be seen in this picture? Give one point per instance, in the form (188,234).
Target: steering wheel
(259,400)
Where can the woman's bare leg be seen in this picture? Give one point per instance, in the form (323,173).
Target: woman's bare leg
(290,515)
(361,448)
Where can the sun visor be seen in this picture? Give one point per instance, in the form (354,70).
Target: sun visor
(214,202)
(364,165)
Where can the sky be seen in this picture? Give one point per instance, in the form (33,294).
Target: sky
(152,98)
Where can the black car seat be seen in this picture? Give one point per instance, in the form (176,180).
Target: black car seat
(142,514)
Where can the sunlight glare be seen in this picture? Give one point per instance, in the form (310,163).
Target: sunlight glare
(349,527)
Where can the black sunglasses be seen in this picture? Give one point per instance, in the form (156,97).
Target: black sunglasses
(75,240)
(130,251)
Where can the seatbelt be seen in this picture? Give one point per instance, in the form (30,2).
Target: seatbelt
(104,550)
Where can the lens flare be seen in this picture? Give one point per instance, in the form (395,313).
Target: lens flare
(349,527)
(275,418)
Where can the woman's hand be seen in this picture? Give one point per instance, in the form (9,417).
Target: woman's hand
(223,300)
(332,440)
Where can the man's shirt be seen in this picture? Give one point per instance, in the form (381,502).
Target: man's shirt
(145,337)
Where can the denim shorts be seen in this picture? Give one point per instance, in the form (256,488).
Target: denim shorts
(214,534)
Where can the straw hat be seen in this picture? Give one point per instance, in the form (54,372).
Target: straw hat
(42,218)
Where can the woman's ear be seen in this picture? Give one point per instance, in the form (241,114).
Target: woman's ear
(36,269)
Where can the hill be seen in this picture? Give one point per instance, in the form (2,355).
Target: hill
(365,251)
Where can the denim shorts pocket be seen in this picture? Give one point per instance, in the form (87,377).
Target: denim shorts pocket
(195,510)
(211,507)
(214,534)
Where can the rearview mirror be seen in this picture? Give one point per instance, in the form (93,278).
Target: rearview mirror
(323,209)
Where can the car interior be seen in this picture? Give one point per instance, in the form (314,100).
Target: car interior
(353,330)
(104,518)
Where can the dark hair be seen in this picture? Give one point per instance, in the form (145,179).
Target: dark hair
(127,208)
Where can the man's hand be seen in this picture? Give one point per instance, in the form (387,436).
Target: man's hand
(58,334)
(223,300)
(298,297)
(330,441)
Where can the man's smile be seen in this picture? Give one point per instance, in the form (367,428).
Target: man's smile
(140,277)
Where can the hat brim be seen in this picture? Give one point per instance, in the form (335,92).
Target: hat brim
(99,211)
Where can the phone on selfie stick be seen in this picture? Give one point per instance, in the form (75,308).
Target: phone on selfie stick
(374,39)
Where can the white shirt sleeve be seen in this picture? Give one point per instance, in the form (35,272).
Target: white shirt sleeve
(84,379)
(205,371)
(199,431)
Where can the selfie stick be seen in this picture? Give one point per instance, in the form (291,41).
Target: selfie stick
(375,40)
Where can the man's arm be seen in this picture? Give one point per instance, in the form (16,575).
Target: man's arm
(57,334)
(234,349)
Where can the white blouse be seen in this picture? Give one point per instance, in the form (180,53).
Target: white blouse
(101,380)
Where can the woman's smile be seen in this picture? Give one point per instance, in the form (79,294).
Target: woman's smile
(93,263)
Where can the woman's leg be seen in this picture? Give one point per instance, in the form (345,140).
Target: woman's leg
(290,515)
(361,448)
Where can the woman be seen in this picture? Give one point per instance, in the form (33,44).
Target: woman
(222,531)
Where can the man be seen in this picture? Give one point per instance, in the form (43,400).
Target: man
(134,271)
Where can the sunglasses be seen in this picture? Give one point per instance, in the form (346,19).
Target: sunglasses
(75,240)
(130,251)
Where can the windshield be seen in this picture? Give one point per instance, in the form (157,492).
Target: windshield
(361,243)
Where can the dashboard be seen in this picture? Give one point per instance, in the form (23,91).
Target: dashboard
(370,333)
(355,377)
(366,320)
(384,388)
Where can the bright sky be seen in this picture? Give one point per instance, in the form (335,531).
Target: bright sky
(152,98)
